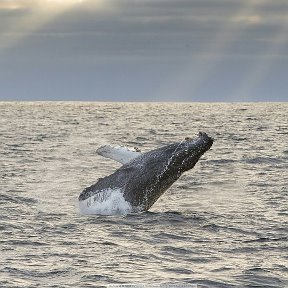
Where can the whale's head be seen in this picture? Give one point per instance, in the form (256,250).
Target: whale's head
(187,152)
(148,176)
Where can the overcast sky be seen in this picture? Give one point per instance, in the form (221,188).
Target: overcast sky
(144,50)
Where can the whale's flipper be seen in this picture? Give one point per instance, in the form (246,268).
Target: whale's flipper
(120,154)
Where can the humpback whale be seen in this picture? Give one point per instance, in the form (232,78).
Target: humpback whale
(144,177)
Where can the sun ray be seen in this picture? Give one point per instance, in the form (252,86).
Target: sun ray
(264,64)
(213,52)
(34,14)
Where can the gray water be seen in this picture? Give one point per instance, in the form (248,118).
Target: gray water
(223,224)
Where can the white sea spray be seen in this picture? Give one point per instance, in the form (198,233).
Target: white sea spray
(106,202)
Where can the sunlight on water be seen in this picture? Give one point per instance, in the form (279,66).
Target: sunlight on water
(222,224)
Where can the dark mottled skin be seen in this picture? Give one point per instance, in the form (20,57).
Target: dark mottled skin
(144,179)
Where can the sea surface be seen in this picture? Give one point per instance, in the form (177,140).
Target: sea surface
(222,224)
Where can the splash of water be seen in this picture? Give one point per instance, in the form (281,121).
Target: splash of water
(106,202)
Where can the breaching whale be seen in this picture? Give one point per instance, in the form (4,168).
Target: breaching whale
(144,177)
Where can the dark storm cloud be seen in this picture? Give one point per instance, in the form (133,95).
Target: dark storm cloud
(143,46)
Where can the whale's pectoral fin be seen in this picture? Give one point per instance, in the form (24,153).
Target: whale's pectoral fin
(121,154)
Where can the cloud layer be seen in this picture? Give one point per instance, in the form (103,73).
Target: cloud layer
(144,50)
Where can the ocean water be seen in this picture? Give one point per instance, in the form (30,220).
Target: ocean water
(223,224)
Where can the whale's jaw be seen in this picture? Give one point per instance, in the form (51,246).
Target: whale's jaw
(192,150)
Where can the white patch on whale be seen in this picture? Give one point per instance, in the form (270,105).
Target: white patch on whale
(106,202)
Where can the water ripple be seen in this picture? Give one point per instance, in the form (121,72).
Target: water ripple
(223,224)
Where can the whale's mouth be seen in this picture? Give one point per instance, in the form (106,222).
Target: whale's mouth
(204,135)
(207,139)
(203,140)
(201,135)
(190,151)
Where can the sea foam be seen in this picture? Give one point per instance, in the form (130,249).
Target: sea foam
(106,202)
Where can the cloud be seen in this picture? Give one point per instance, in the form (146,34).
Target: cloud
(17,4)
(248,19)
(148,28)
(183,27)
(132,44)
(31,5)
